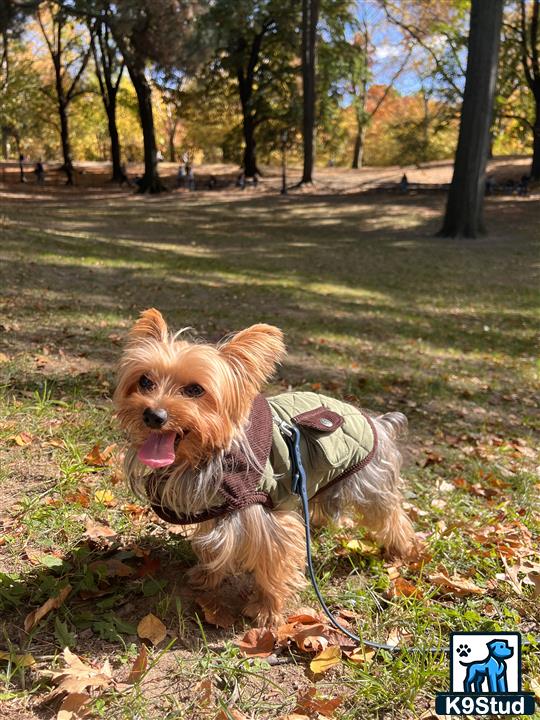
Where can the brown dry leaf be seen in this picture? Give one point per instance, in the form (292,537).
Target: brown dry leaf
(78,676)
(98,531)
(26,660)
(231,713)
(322,662)
(308,702)
(534,577)
(403,587)
(74,706)
(361,656)
(3,357)
(396,637)
(456,584)
(139,666)
(32,619)
(151,628)
(294,716)
(535,688)
(214,613)
(98,458)
(112,568)
(22,439)
(364,547)
(257,642)
(311,638)
(205,691)
(306,616)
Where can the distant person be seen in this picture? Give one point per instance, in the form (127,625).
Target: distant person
(523,186)
(159,156)
(181,176)
(404,183)
(241,181)
(39,172)
(490,185)
(190,178)
(21,168)
(212,182)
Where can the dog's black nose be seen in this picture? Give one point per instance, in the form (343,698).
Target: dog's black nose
(155,418)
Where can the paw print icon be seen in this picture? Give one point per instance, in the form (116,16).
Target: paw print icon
(463,650)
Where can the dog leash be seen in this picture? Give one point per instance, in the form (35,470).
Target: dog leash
(291,435)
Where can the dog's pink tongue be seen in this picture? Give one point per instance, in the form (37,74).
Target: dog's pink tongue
(158,450)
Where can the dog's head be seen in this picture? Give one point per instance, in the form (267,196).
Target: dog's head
(182,401)
(500,649)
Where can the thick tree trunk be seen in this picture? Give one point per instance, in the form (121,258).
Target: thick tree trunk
(535,167)
(310,19)
(150,182)
(358,151)
(66,144)
(172,149)
(464,210)
(250,160)
(117,172)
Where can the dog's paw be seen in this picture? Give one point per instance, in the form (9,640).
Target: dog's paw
(262,615)
(198,578)
(463,650)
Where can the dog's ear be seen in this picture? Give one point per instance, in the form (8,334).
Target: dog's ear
(255,352)
(150,325)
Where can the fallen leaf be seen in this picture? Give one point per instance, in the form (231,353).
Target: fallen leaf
(230,714)
(534,577)
(325,660)
(139,666)
(74,706)
(403,587)
(306,616)
(308,701)
(22,439)
(364,547)
(20,660)
(97,458)
(361,656)
(456,584)
(215,613)
(77,676)
(204,690)
(311,638)
(257,642)
(32,619)
(97,531)
(535,688)
(112,568)
(106,497)
(151,628)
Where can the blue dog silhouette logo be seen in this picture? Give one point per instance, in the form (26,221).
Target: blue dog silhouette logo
(492,670)
(485,676)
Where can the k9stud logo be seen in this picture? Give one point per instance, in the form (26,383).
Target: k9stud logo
(485,676)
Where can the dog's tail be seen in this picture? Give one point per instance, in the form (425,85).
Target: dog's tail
(395,423)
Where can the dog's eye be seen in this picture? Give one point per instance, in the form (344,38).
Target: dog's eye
(145,383)
(193,390)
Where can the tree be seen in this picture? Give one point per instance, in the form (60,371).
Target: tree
(310,19)
(464,210)
(70,50)
(252,43)
(529,43)
(109,66)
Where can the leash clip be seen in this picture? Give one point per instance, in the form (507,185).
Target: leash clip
(291,435)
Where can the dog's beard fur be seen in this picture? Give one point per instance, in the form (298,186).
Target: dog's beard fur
(267,543)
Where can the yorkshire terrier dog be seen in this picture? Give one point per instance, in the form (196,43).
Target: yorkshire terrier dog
(206,450)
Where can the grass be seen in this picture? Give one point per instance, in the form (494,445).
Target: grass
(375,309)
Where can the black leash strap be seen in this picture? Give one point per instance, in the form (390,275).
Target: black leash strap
(291,435)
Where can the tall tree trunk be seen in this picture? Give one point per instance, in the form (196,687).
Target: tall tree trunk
(66,144)
(358,151)
(150,181)
(172,148)
(117,172)
(5,136)
(310,19)
(250,159)
(464,209)
(535,167)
